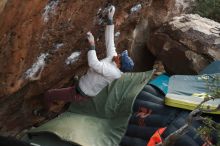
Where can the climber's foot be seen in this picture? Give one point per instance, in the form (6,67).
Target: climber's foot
(41,112)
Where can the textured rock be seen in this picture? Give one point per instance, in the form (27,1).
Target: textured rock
(49,36)
(186,44)
(2,5)
(183,6)
(156,13)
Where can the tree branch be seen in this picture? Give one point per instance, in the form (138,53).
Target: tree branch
(194,115)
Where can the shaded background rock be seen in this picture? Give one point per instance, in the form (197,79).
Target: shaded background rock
(151,20)
(49,35)
(156,13)
(186,44)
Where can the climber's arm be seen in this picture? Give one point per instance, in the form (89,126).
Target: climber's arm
(109,33)
(93,61)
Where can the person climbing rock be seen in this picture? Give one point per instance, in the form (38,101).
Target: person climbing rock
(100,72)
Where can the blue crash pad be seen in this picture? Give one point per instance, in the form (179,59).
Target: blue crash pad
(161,82)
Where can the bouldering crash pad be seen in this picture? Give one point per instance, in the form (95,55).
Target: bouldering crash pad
(101,120)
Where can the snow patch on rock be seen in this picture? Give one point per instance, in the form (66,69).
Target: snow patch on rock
(50,9)
(39,64)
(58,46)
(2,4)
(136,8)
(73,57)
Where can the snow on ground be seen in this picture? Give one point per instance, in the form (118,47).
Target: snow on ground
(73,58)
(40,63)
(50,9)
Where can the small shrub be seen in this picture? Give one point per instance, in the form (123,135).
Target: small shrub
(208,8)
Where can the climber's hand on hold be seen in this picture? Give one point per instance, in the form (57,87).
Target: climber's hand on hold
(111,12)
(90,38)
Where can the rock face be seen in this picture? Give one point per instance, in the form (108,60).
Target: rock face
(153,17)
(48,37)
(2,5)
(186,44)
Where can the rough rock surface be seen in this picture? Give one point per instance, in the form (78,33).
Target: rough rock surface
(49,36)
(2,5)
(152,17)
(186,44)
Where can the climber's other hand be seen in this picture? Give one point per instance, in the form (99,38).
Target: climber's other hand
(90,38)
(111,12)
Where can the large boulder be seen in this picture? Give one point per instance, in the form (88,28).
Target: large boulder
(186,44)
(48,36)
(157,13)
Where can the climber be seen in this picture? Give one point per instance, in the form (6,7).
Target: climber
(100,73)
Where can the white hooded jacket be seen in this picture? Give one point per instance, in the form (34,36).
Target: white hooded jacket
(102,72)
